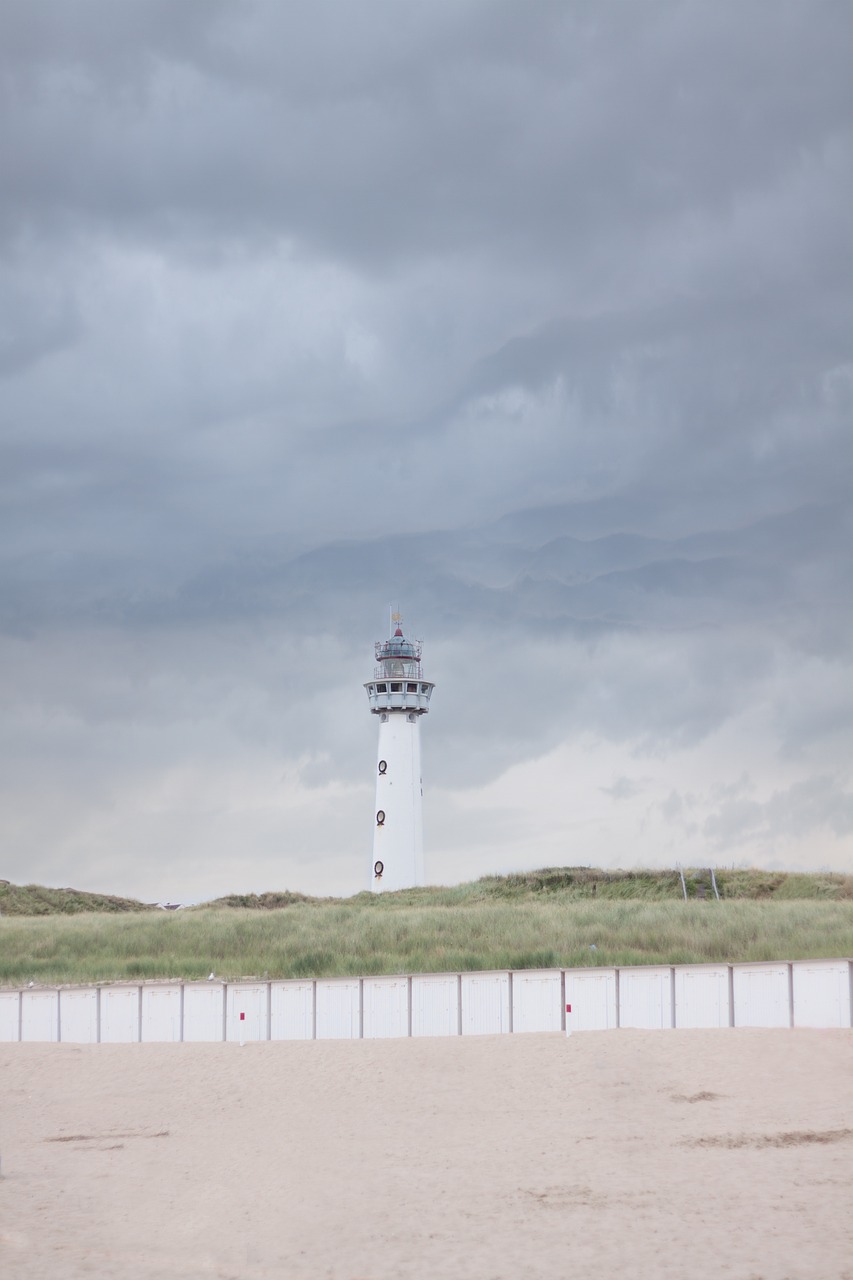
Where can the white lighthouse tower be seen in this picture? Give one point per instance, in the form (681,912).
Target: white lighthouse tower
(399,696)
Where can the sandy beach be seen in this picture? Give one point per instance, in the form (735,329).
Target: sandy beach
(629,1154)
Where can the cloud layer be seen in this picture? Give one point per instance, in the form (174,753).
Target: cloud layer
(536,322)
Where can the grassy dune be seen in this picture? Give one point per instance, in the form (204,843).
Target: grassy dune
(585,883)
(37,900)
(539,920)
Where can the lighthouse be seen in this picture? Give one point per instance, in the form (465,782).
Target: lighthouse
(398,695)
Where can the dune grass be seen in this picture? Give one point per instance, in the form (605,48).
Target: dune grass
(369,935)
(584,883)
(38,900)
(565,883)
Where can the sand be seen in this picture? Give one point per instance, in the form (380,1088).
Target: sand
(627,1154)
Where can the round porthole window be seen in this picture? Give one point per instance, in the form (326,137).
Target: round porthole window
(378,868)
(383,766)
(380,818)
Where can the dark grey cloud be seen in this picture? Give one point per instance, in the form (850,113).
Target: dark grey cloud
(383,135)
(535,321)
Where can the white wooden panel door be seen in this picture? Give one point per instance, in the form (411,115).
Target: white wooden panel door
(292,1011)
(78,1015)
(645,998)
(435,1005)
(702,996)
(250,1000)
(119,1015)
(10,1013)
(822,993)
(592,996)
(485,1003)
(761,995)
(536,1000)
(338,1010)
(203,1011)
(40,1016)
(161,1014)
(386,1007)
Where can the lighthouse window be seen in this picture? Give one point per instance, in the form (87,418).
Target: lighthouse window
(424,688)
(396,688)
(382,688)
(411,688)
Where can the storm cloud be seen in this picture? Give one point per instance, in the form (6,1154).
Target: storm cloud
(531,320)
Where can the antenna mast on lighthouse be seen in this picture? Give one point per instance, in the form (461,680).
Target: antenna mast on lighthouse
(399,695)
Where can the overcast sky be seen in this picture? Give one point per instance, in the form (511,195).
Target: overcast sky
(532,319)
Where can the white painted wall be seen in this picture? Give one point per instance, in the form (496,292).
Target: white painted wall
(761,995)
(702,996)
(338,1009)
(537,1000)
(250,999)
(817,993)
(435,1004)
(386,1007)
(398,843)
(40,1015)
(120,1015)
(10,1013)
(292,1011)
(645,998)
(485,1003)
(203,1011)
(78,1015)
(592,995)
(823,990)
(161,1013)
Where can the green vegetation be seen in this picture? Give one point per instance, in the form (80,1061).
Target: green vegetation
(35,900)
(584,883)
(563,916)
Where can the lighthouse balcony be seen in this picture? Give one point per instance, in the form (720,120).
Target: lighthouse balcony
(399,695)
